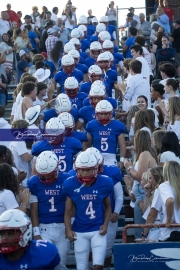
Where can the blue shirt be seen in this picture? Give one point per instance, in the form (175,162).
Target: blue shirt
(105,137)
(61,76)
(81,136)
(87,113)
(51,199)
(118,57)
(114,173)
(83,55)
(83,68)
(88,202)
(85,44)
(129,42)
(86,87)
(32,36)
(64,151)
(52,113)
(110,80)
(111,100)
(21,65)
(52,68)
(89,61)
(77,102)
(32,258)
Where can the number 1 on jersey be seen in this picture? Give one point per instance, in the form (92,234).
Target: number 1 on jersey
(52,209)
(90,211)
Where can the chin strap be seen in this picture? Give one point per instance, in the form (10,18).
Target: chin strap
(105,75)
(78,189)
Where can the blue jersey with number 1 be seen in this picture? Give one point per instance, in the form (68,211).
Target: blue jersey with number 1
(39,255)
(51,199)
(105,137)
(88,202)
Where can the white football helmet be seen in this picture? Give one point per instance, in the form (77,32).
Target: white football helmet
(104,111)
(15,220)
(108,46)
(76,55)
(76,43)
(96,94)
(94,73)
(111,57)
(68,64)
(75,33)
(62,104)
(104,19)
(68,122)
(82,27)
(104,35)
(94,20)
(71,87)
(100,27)
(98,156)
(82,20)
(55,131)
(47,167)
(86,161)
(104,61)
(68,47)
(99,83)
(95,49)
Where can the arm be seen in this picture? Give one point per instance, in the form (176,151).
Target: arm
(107,215)
(122,146)
(67,220)
(154,48)
(106,14)
(79,125)
(27,157)
(35,220)
(88,143)
(151,218)
(169,209)
(118,194)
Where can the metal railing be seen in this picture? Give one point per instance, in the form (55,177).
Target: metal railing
(137,226)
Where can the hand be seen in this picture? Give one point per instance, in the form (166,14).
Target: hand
(24,196)
(121,165)
(37,237)
(128,180)
(71,235)
(148,188)
(164,46)
(172,58)
(114,217)
(51,102)
(160,103)
(127,163)
(103,230)
(21,176)
(51,87)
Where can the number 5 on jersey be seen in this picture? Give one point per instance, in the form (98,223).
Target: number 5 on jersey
(104,144)
(90,211)
(62,164)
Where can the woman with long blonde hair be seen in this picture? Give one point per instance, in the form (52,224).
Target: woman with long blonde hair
(170,199)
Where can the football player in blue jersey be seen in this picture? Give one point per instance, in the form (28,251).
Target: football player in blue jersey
(83,21)
(109,76)
(71,87)
(100,84)
(94,74)
(99,28)
(47,203)
(69,70)
(87,113)
(104,35)
(95,50)
(18,250)
(116,201)
(105,133)
(110,28)
(85,44)
(77,44)
(64,147)
(69,124)
(83,68)
(62,104)
(108,46)
(89,193)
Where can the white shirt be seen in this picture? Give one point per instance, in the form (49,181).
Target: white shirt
(147,56)
(67,23)
(145,67)
(5,125)
(4,27)
(166,192)
(54,17)
(169,156)
(136,18)
(136,87)
(7,201)
(175,128)
(40,102)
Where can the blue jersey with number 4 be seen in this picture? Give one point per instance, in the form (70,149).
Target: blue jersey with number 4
(51,199)
(64,151)
(105,137)
(39,255)
(88,202)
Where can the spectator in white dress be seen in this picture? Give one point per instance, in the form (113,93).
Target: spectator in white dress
(170,150)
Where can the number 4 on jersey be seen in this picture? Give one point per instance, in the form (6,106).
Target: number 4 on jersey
(90,211)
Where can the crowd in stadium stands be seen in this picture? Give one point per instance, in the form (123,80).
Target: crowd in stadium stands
(90,115)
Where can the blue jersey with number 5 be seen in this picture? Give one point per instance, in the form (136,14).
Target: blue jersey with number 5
(51,199)
(105,137)
(64,151)
(88,202)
